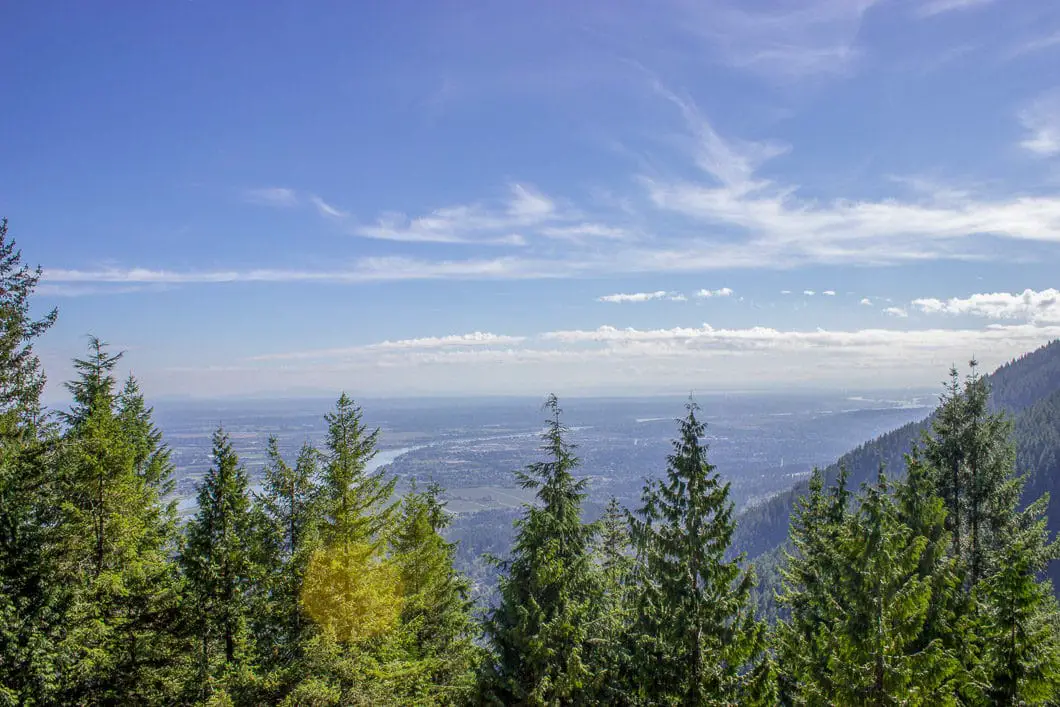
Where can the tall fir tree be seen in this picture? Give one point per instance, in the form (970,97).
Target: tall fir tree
(861,579)
(357,506)
(611,658)
(31,601)
(287,526)
(697,639)
(1021,629)
(218,562)
(540,630)
(811,571)
(436,610)
(118,540)
(973,457)
(351,590)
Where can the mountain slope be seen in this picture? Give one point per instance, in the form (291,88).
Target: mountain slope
(1028,388)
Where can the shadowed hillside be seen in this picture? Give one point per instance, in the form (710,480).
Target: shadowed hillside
(1027,388)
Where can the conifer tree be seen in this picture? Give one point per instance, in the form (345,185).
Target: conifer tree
(860,592)
(351,590)
(436,611)
(973,459)
(287,524)
(611,657)
(945,452)
(1022,627)
(540,629)
(698,641)
(813,569)
(948,621)
(218,562)
(31,601)
(118,538)
(356,503)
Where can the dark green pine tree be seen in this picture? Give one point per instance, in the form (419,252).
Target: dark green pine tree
(697,639)
(611,658)
(218,562)
(994,489)
(870,591)
(973,458)
(436,618)
(540,630)
(151,456)
(287,526)
(811,572)
(120,642)
(356,503)
(1022,626)
(948,622)
(946,454)
(31,601)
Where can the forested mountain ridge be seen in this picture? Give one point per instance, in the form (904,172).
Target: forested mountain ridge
(1027,388)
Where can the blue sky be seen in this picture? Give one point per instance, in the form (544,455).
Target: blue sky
(413,198)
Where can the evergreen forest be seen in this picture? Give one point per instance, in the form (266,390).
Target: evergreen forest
(914,572)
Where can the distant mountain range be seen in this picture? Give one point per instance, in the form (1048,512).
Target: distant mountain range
(1027,388)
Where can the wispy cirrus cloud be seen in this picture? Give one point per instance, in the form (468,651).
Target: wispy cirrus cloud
(474,223)
(1033,305)
(726,216)
(784,228)
(585,231)
(326,209)
(1037,44)
(1041,120)
(793,40)
(429,343)
(931,8)
(272,196)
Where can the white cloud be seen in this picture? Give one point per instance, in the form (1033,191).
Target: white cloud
(327,209)
(829,293)
(866,301)
(779,228)
(767,338)
(613,359)
(450,342)
(375,269)
(930,8)
(584,231)
(896,312)
(45,289)
(1036,45)
(721,292)
(731,218)
(472,223)
(636,297)
(809,293)
(794,40)
(1041,120)
(272,196)
(785,292)
(1036,306)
